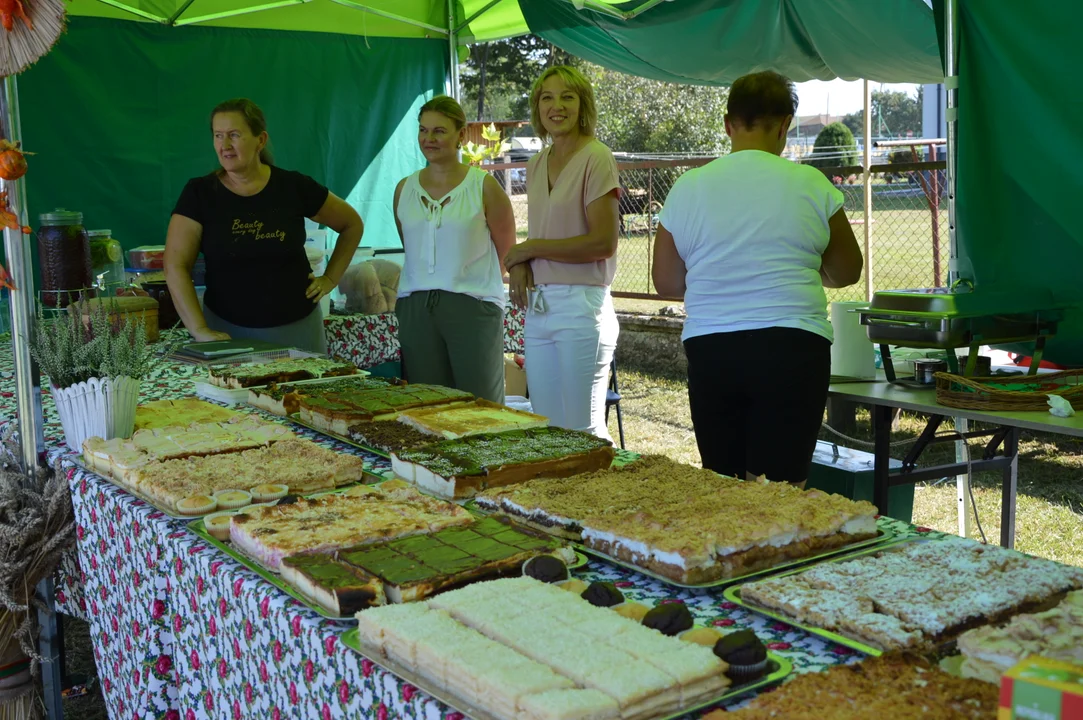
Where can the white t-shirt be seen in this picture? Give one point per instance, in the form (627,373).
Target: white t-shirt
(446,241)
(752,228)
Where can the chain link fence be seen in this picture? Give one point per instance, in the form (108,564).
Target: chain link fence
(909,219)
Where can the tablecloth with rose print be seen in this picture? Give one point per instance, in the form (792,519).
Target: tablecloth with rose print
(182,631)
(368,340)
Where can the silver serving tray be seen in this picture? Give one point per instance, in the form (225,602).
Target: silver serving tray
(778,668)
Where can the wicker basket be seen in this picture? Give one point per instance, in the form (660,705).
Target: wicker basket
(1009,392)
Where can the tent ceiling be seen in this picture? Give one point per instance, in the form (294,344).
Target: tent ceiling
(372,18)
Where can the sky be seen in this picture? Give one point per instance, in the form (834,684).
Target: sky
(838,97)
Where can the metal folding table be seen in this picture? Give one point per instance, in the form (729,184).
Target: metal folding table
(1001,451)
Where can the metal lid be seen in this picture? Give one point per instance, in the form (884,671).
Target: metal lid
(99,233)
(60,216)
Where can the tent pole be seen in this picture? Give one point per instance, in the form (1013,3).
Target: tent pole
(951,85)
(866,165)
(453,52)
(20,266)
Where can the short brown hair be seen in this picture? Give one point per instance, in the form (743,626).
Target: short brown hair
(253,118)
(577,83)
(760,97)
(446,106)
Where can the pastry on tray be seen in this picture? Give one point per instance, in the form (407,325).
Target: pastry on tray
(118,458)
(1057,634)
(684,523)
(237,377)
(917,595)
(475,418)
(387,436)
(333,522)
(300,465)
(183,412)
(336,412)
(894,685)
(415,567)
(520,648)
(462,468)
(285,398)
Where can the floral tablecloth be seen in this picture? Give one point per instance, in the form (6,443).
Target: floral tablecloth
(182,631)
(368,340)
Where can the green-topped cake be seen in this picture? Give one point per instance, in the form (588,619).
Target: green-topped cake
(244,376)
(338,587)
(285,399)
(336,412)
(413,568)
(462,468)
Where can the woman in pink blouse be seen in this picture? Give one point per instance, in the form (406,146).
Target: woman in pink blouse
(562,273)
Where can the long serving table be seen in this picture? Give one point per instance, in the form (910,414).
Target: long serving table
(182,631)
(1001,451)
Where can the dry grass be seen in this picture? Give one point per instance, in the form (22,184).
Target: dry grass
(1049,519)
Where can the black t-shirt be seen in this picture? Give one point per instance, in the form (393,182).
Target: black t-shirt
(254,247)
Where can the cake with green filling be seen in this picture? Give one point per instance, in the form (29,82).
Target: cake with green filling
(464,467)
(336,412)
(415,567)
(237,377)
(285,398)
(338,587)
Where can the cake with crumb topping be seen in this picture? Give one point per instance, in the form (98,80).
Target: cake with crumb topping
(685,523)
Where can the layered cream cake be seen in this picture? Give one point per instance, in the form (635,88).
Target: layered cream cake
(333,522)
(279,371)
(684,523)
(989,652)
(475,418)
(462,468)
(918,595)
(519,648)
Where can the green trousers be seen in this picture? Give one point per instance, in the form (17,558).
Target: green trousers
(453,340)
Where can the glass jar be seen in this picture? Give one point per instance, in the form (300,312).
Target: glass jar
(64,253)
(106,261)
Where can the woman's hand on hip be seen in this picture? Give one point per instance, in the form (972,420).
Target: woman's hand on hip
(520,283)
(319,287)
(205,334)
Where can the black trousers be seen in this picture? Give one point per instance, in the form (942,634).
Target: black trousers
(757,399)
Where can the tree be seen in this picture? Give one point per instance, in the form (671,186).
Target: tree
(834,147)
(640,115)
(497,76)
(894,114)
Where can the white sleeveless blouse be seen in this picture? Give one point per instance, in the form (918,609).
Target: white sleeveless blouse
(447,241)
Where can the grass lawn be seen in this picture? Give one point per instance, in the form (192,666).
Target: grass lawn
(1049,519)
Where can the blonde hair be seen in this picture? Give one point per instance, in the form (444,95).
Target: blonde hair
(577,83)
(446,106)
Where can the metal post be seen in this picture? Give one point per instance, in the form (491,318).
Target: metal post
(51,648)
(951,85)
(934,208)
(453,52)
(20,267)
(866,164)
(962,482)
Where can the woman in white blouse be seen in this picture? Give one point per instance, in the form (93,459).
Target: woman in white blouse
(456,223)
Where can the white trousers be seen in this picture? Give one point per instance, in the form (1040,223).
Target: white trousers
(570,336)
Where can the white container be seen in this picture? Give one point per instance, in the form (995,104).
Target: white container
(852,354)
(102,408)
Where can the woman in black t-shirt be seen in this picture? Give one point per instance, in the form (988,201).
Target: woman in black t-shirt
(248,219)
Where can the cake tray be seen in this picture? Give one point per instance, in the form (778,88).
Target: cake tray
(733,594)
(778,667)
(198,528)
(77,460)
